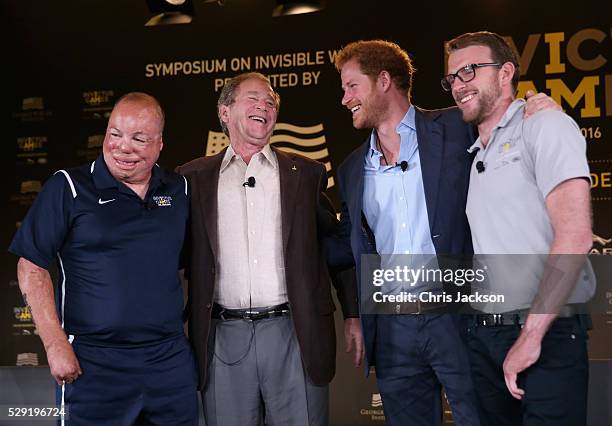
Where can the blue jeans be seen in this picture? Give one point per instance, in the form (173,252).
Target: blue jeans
(415,356)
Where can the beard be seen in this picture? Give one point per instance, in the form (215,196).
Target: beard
(373,111)
(486,98)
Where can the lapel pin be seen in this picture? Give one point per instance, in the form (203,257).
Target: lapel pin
(294,168)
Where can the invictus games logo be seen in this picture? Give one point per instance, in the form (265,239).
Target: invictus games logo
(308,141)
(27,192)
(163,200)
(30,186)
(31,150)
(98,104)
(23,325)
(32,103)
(31,143)
(97,98)
(92,148)
(22,313)
(32,110)
(27,358)
(601,245)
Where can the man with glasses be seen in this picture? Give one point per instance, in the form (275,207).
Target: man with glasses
(404,192)
(528,195)
(465,74)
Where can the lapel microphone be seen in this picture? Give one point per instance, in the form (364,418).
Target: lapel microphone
(480,165)
(250,182)
(403,164)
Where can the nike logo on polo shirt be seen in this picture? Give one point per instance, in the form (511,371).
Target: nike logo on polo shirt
(101,201)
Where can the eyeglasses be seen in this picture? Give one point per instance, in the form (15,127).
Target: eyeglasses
(465,74)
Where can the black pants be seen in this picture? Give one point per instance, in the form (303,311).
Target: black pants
(555,386)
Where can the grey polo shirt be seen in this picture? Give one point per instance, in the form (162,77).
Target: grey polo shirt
(506,206)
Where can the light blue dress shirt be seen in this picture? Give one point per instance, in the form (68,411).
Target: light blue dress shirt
(394,200)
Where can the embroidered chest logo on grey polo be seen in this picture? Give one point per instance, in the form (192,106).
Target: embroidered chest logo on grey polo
(508,153)
(507,145)
(163,200)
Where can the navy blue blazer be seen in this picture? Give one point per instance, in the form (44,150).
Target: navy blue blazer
(443,138)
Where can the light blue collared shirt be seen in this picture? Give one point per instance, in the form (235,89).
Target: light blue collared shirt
(393,200)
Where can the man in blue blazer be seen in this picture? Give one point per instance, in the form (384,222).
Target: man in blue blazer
(404,192)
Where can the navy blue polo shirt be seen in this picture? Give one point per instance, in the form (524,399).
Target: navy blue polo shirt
(118,255)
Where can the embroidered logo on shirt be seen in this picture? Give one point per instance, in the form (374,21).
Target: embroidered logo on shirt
(162,200)
(101,201)
(507,145)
